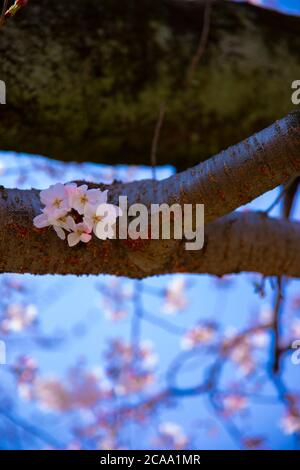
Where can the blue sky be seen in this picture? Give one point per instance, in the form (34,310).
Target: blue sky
(288,6)
(292,6)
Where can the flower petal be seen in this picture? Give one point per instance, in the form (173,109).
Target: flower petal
(88,222)
(55,190)
(60,233)
(90,210)
(85,237)
(70,222)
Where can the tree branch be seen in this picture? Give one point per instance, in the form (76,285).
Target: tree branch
(241,173)
(239,242)
(248,242)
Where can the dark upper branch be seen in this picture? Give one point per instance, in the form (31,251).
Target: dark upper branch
(230,179)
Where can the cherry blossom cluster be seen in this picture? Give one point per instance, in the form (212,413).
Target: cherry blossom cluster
(75,211)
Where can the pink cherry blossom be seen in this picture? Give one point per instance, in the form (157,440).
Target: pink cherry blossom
(171,436)
(80,232)
(82,390)
(90,216)
(175,299)
(55,198)
(200,334)
(57,219)
(83,196)
(234,403)
(18,317)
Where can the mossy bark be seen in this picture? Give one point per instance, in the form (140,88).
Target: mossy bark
(234,243)
(85,79)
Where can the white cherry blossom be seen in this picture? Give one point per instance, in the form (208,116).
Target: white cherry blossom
(57,219)
(90,217)
(75,212)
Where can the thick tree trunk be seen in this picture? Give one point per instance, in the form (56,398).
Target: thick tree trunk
(238,242)
(85,78)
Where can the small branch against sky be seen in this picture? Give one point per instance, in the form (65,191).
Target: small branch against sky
(288,194)
(281,195)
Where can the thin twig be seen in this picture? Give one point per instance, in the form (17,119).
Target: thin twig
(189,77)
(155,140)
(136,322)
(276,327)
(289,192)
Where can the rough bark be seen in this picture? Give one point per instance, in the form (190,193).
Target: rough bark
(238,242)
(248,242)
(85,78)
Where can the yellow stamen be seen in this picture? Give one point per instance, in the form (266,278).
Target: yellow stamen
(97,218)
(83,199)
